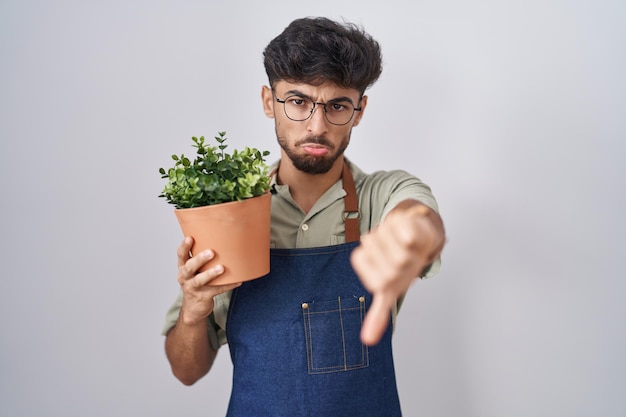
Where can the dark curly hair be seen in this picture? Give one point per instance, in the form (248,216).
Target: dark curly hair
(317,50)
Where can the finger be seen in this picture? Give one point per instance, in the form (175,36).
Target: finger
(190,268)
(363,257)
(377,319)
(196,262)
(183,250)
(207,276)
(372,264)
(359,261)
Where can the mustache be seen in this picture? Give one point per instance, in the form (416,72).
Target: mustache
(318,140)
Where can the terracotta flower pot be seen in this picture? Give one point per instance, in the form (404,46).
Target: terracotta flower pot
(238,232)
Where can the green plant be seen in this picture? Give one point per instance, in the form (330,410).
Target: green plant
(214,176)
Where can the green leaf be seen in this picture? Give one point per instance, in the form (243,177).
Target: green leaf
(215,176)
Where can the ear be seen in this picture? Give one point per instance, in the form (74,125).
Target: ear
(267,97)
(359,114)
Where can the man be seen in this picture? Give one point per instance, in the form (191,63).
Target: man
(313,338)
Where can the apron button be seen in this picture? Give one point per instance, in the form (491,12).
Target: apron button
(305,306)
(362,299)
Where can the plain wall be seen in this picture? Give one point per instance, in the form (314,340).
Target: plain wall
(514,112)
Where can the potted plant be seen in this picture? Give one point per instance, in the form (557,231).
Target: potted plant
(222,200)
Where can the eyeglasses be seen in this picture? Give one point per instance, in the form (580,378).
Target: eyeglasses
(337,111)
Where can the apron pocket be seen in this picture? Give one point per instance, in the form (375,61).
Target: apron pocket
(332,333)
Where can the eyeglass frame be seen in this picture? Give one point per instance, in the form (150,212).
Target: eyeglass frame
(315,103)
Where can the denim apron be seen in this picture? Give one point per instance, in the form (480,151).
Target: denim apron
(294,340)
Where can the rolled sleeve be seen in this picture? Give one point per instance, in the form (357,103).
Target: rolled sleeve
(217,335)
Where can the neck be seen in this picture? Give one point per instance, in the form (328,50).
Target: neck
(305,188)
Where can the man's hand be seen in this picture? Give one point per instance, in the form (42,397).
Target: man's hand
(187,344)
(391,256)
(197,294)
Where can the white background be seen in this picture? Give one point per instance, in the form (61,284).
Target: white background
(514,112)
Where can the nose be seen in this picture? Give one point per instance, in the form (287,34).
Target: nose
(317,123)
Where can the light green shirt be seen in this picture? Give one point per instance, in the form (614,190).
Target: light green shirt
(378,194)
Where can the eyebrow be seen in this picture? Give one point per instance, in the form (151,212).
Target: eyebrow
(301,94)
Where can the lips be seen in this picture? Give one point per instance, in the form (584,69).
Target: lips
(315,150)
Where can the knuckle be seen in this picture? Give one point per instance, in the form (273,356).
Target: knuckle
(195,282)
(182,252)
(183,271)
(404,262)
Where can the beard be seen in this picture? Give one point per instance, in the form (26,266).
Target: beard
(311,164)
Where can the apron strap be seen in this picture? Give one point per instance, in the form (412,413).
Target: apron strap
(351,214)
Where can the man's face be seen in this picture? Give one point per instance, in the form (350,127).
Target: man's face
(313,145)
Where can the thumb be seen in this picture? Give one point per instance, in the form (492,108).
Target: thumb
(377,319)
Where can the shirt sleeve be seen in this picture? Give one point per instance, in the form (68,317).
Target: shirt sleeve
(217,335)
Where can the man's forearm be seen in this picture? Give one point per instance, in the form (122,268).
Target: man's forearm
(189,351)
